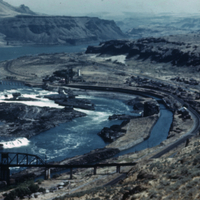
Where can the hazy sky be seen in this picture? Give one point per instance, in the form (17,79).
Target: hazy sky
(81,7)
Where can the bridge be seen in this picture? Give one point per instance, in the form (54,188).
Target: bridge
(9,159)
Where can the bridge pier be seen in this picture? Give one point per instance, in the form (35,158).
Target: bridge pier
(118,169)
(95,170)
(5,174)
(47,174)
(4,170)
(71,172)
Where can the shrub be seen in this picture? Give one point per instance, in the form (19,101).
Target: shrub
(41,190)
(39,181)
(55,175)
(20,192)
(11,195)
(33,188)
(23,191)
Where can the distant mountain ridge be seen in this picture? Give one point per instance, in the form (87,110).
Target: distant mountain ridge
(20,25)
(9,10)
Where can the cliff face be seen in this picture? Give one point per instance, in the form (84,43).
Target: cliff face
(20,25)
(180,50)
(57,29)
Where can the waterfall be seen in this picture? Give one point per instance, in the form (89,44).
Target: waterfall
(19,142)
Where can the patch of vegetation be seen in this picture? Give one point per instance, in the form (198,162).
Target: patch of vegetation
(19,184)
(79,194)
(23,190)
(55,175)
(39,181)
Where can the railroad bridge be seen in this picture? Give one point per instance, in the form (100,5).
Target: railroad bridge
(10,159)
(17,160)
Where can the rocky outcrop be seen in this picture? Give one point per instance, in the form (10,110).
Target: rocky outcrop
(190,81)
(184,113)
(171,103)
(26,121)
(151,107)
(146,106)
(121,117)
(16,94)
(137,103)
(76,103)
(57,29)
(113,133)
(166,49)
(56,96)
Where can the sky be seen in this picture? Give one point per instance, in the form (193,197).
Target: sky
(116,7)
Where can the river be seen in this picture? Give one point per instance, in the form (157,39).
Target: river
(80,135)
(9,53)
(69,139)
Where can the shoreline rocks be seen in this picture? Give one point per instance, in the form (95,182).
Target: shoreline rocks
(111,134)
(122,117)
(151,107)
(76,103)
(21,120)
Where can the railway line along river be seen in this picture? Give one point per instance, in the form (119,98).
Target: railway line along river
(78,136)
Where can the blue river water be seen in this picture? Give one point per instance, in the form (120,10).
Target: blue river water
(8,53)
(73,138)
(159,132)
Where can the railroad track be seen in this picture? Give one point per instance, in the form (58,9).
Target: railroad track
(184,138)
(8,66)
(167,149)
(116,180)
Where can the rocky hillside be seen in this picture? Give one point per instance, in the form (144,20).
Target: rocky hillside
(181,50)
(57,29)
(19,25)
(174,178)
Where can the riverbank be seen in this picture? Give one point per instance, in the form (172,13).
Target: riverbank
(137,131)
